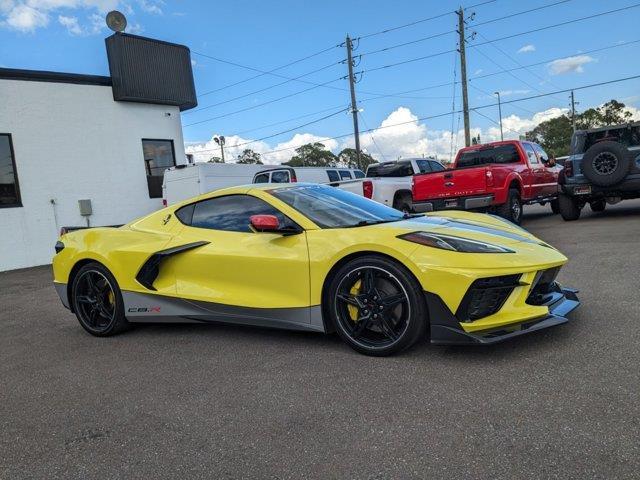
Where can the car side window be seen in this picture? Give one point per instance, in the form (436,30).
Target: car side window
(531,155)
(333,176)
(358,174)
(345,174)
(544,158)
(280,176)
(230,213)
(262,178)
(424,166)
(436,166)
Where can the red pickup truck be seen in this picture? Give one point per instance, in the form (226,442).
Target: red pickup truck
(500,177)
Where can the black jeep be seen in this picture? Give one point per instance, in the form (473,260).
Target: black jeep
(603,167)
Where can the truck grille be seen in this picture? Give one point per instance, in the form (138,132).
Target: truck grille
(486,296)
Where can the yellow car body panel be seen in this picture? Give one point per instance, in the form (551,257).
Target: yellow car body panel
(272,271)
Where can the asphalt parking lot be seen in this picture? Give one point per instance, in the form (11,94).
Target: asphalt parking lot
(211,401)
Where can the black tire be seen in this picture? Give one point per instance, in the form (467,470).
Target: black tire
(97,301)
(376,305)
(403,203)
(606,163)
(512,208)
(555,207)
(598,205)
(569,207)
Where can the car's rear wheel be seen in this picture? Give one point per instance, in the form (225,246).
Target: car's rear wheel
(377,306)
(606,163)
(512,208)
(569,207)
(97,301)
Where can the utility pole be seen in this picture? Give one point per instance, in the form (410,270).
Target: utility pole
(354,105)
(463,74)
(500,113)
(573,112)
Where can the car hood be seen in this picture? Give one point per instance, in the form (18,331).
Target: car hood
(472,226)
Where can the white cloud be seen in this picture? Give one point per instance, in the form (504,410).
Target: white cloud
(527,48)
(29,15)
(400,134)
(570,64)
(71,23)
(25,18)
(151,7)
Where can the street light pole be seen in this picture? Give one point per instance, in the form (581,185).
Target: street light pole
(220,141)
(500,113)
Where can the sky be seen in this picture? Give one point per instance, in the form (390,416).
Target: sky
(406,51)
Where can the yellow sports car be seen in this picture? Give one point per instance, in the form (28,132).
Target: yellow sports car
(314,257)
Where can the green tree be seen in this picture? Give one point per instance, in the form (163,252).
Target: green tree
(611,113)
(248,156)
(313,155)
(349,159)
(553,135)
(215,160)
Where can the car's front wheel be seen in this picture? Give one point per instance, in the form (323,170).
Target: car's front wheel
(97,301)
(377,306)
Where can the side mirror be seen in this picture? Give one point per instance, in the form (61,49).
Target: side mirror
(265,223)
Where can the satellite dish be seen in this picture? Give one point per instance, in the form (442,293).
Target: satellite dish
(116,21)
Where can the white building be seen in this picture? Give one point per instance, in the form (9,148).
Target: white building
(63,138)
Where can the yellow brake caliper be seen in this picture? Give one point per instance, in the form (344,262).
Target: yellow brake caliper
(353,310)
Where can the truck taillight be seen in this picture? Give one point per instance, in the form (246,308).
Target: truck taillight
(294,179)
(367,188)
(164,202)
(568,168)
(489,176)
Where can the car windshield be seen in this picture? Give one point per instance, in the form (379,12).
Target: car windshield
(330,207)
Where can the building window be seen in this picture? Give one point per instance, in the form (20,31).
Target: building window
(158,156)
(9,189)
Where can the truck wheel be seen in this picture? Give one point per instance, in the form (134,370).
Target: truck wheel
(569,207)
(606,163)
(598,205)
(512,208)
(555,208)
(403,203)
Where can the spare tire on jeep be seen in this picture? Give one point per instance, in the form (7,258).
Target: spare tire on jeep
(606,163)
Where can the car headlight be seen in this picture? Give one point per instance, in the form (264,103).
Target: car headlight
(454,244)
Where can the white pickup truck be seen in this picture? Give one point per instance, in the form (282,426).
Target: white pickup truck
(390,182)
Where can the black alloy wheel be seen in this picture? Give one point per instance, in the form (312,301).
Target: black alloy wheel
(377,306)
(97,301)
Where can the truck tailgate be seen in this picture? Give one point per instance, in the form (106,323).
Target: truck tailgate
(450,184)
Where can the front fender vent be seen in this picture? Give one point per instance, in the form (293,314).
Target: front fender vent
(486,296)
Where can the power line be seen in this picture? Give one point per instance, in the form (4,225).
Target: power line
(263,103)
(262,73)
(506,54)
(497,123)
(535,30)
(269,73)
(279,133)
(489,95)
(418,40)
(431,117)
(262,89)
(542,7)
(373,139)
(416,22)
(510,73)
(411,60)
(287,120)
